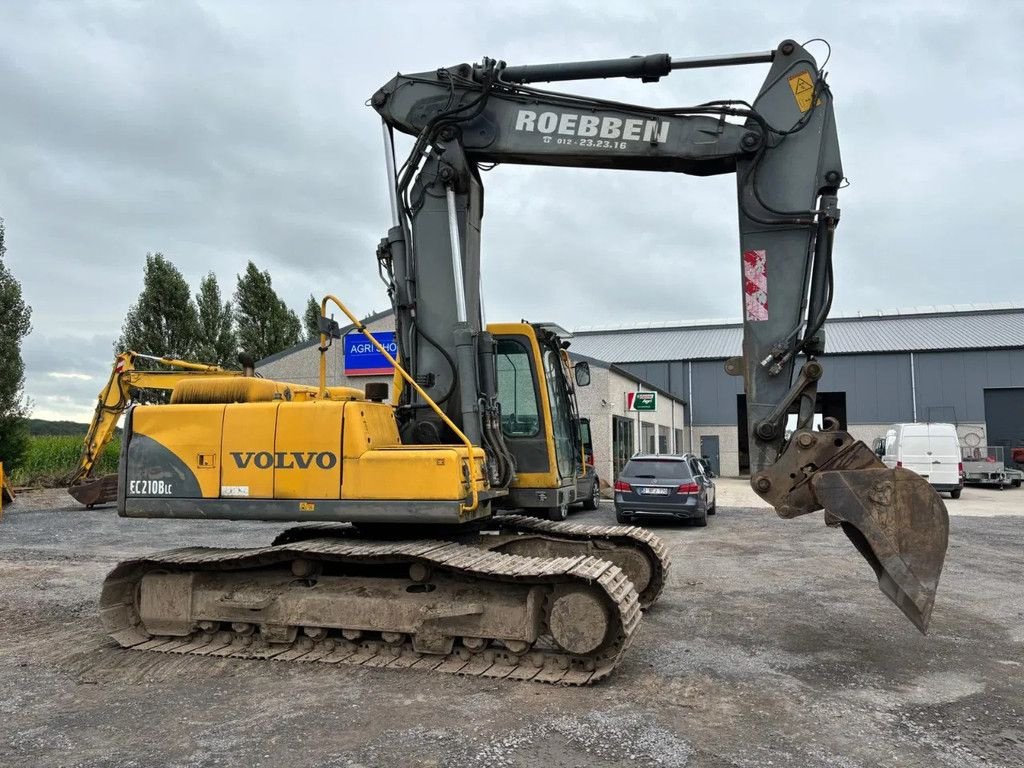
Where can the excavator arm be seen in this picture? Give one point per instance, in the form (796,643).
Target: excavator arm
(114,399)
(784,152)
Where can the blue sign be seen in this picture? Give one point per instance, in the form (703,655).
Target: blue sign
(364,359)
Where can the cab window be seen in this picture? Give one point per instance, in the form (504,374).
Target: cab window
(520,413)
(561,419)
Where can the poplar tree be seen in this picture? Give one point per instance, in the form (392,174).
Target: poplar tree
(311,319)
(15,324)
(217,342)
(164,321)
(263,321)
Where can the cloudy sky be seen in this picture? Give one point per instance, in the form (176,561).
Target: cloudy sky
(219,132)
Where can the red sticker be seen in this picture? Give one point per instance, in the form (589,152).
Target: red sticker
(755,285)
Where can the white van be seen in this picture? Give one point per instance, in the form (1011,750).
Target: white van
(930,450)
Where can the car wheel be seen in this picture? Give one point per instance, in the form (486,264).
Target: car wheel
(701,521)
(1016,483)
(594,500)
(558,513)
(955,493)
(622,518)
(712,509)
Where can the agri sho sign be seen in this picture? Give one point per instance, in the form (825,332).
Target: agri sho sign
(364,359)
(641,401)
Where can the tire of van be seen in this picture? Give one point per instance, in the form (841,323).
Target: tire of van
(955,493)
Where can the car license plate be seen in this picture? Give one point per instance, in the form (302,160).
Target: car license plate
(655,491)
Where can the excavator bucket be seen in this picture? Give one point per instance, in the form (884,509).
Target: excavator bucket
(101,490)
(898,523)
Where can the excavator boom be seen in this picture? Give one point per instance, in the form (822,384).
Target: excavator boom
(784,152)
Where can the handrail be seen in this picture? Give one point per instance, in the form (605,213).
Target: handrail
(405,375)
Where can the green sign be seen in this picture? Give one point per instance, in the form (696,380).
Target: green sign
(643,401)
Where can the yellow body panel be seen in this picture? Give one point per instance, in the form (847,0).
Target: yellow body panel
(191,432)
(306,448)
(369,425)
(248,427)
(410,472)
(303,450)
(378,466)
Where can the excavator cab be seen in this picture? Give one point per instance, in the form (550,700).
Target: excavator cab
(538,417)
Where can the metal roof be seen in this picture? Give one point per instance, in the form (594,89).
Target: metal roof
(928,331)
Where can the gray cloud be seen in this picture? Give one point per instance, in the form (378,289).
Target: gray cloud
(220,132)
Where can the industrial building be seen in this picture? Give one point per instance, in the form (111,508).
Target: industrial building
(959,365)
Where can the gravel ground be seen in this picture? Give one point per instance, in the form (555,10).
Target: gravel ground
(771,646)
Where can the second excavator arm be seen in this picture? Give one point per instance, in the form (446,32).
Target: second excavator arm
(784,152)
(114,399)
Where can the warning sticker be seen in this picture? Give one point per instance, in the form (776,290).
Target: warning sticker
(755,285)
(803,89)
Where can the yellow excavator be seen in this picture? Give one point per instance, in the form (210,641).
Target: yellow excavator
(405,560)
(6,491)
(114,400)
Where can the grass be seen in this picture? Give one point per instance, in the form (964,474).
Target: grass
(50,459)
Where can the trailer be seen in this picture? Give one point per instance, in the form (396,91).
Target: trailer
(986,465)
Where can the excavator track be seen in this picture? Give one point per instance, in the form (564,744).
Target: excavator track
(645,543)
(565,620)
(641,554)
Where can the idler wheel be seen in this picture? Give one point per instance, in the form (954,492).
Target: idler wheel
(578,621)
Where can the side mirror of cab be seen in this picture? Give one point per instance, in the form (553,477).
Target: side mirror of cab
(582,373)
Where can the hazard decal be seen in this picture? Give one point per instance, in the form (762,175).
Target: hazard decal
(803,90)
(755,285)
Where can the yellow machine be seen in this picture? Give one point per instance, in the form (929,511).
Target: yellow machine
(114,399)
(241,442)
(405,560)
(6,491)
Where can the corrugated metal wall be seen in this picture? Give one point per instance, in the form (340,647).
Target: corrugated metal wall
(958,379)
(877,386)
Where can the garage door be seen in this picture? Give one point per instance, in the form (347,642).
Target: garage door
(1004,417)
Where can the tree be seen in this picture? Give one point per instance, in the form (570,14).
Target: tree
(217,342)
(264,322)
(164,321)
(15,324)
(311,319)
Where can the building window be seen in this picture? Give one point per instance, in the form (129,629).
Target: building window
(647,437)
(677,437)
(622,443)
(663,446)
